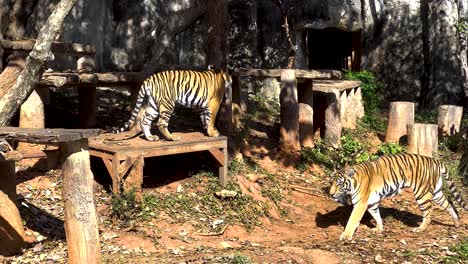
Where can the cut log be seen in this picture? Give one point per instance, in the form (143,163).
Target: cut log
(81,221)
(449,119)
(289,130)
(11,226)
(306,114)
(401,114)
(333,126)
(422,139)
(32,116)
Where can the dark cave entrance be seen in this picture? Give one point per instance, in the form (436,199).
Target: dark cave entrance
(335,49)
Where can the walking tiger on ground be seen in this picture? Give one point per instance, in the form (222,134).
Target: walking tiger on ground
(366,184)
(202,90)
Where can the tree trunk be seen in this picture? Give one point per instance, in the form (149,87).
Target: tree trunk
(22,9)
(401,114)
(81,221)
(284,17)
(443,87)
(462,38)
(449,119)
(422,139)
(34,67)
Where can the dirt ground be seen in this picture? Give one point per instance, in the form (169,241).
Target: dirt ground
(308,234)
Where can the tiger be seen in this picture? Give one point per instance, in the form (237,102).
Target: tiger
(364,185)
(201,90)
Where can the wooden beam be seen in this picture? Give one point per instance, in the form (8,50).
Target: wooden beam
(218,155)
(276,73)
(37,135)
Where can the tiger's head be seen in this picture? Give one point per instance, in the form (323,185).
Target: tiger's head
(342,185)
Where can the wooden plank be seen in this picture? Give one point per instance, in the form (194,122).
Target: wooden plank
(218,155)
(276,73)
(57,47)
(108,164)
(328,86)
(38,135)
(85,79)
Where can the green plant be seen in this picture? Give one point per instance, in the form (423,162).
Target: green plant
(370,88)
(239,259)
(426,116)
(461,253)
(317,154)
(462,25)
(390,149)
(408,254)
(352,151)
(124,207)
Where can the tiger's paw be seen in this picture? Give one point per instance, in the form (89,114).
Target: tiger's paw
(419,229)
(346,236)
(378,230)
(152,138)
(213,133)
(174,138)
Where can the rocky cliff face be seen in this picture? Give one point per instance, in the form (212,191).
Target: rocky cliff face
(410,44)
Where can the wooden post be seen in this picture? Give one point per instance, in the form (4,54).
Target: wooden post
(87,96)
(332,134)
(422,139)
(306,114)
(401,114)
(11,226)
(449,119)
(81,221)
(289,130)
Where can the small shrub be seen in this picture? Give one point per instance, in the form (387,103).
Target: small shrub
(390,149)
(352,151)
(124,207)
(370,88)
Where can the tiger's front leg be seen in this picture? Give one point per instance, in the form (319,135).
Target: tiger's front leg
(354,220)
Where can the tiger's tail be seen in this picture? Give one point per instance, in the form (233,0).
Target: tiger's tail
(135,111)
(453,189)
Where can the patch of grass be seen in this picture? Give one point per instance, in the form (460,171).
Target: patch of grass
(124,207)
(237,258)
(318,154)
(271,188)
(461,253)
(426,116)
(408,254)
(352,151)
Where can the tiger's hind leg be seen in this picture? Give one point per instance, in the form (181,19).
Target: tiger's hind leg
(440,199)
(211,113)
(375,213)
(163,122)
(425,205)
(146,122)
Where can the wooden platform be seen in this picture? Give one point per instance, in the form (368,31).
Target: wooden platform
(121,156)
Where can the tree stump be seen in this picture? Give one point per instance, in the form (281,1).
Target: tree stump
(333,127)
(289,130)
(81,221)
(401,114)
(32,116)
(422,139)
(449,119)
(306,114)
(11,226)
